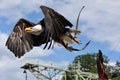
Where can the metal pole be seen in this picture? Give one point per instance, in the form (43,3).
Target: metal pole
(25,74)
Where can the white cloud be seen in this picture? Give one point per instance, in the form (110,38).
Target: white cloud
(102,22)
(22,8)
(99,22)
(112,63)
(10,66)
(3,38)
(100,18)
(12,10)
(38,52)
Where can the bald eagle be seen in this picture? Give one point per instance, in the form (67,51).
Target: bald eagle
(53,27)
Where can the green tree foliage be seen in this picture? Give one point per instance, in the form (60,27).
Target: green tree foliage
(118,63)
(117,78)
(86,63)
(116,71)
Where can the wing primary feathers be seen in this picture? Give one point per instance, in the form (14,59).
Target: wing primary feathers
(55,14)
(50,43)
(62,19)
(48,36)
(54,22)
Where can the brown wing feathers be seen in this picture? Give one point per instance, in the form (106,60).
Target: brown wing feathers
(20,42)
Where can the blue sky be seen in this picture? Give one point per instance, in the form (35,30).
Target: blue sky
(99,22)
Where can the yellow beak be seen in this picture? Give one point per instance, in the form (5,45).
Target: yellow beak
(28,29)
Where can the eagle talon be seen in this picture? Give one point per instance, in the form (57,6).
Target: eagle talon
(69,48)
(72,49)
(77,40)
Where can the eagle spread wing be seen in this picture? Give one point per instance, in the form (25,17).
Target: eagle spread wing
(53,27)
(19,42)
(55,24)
